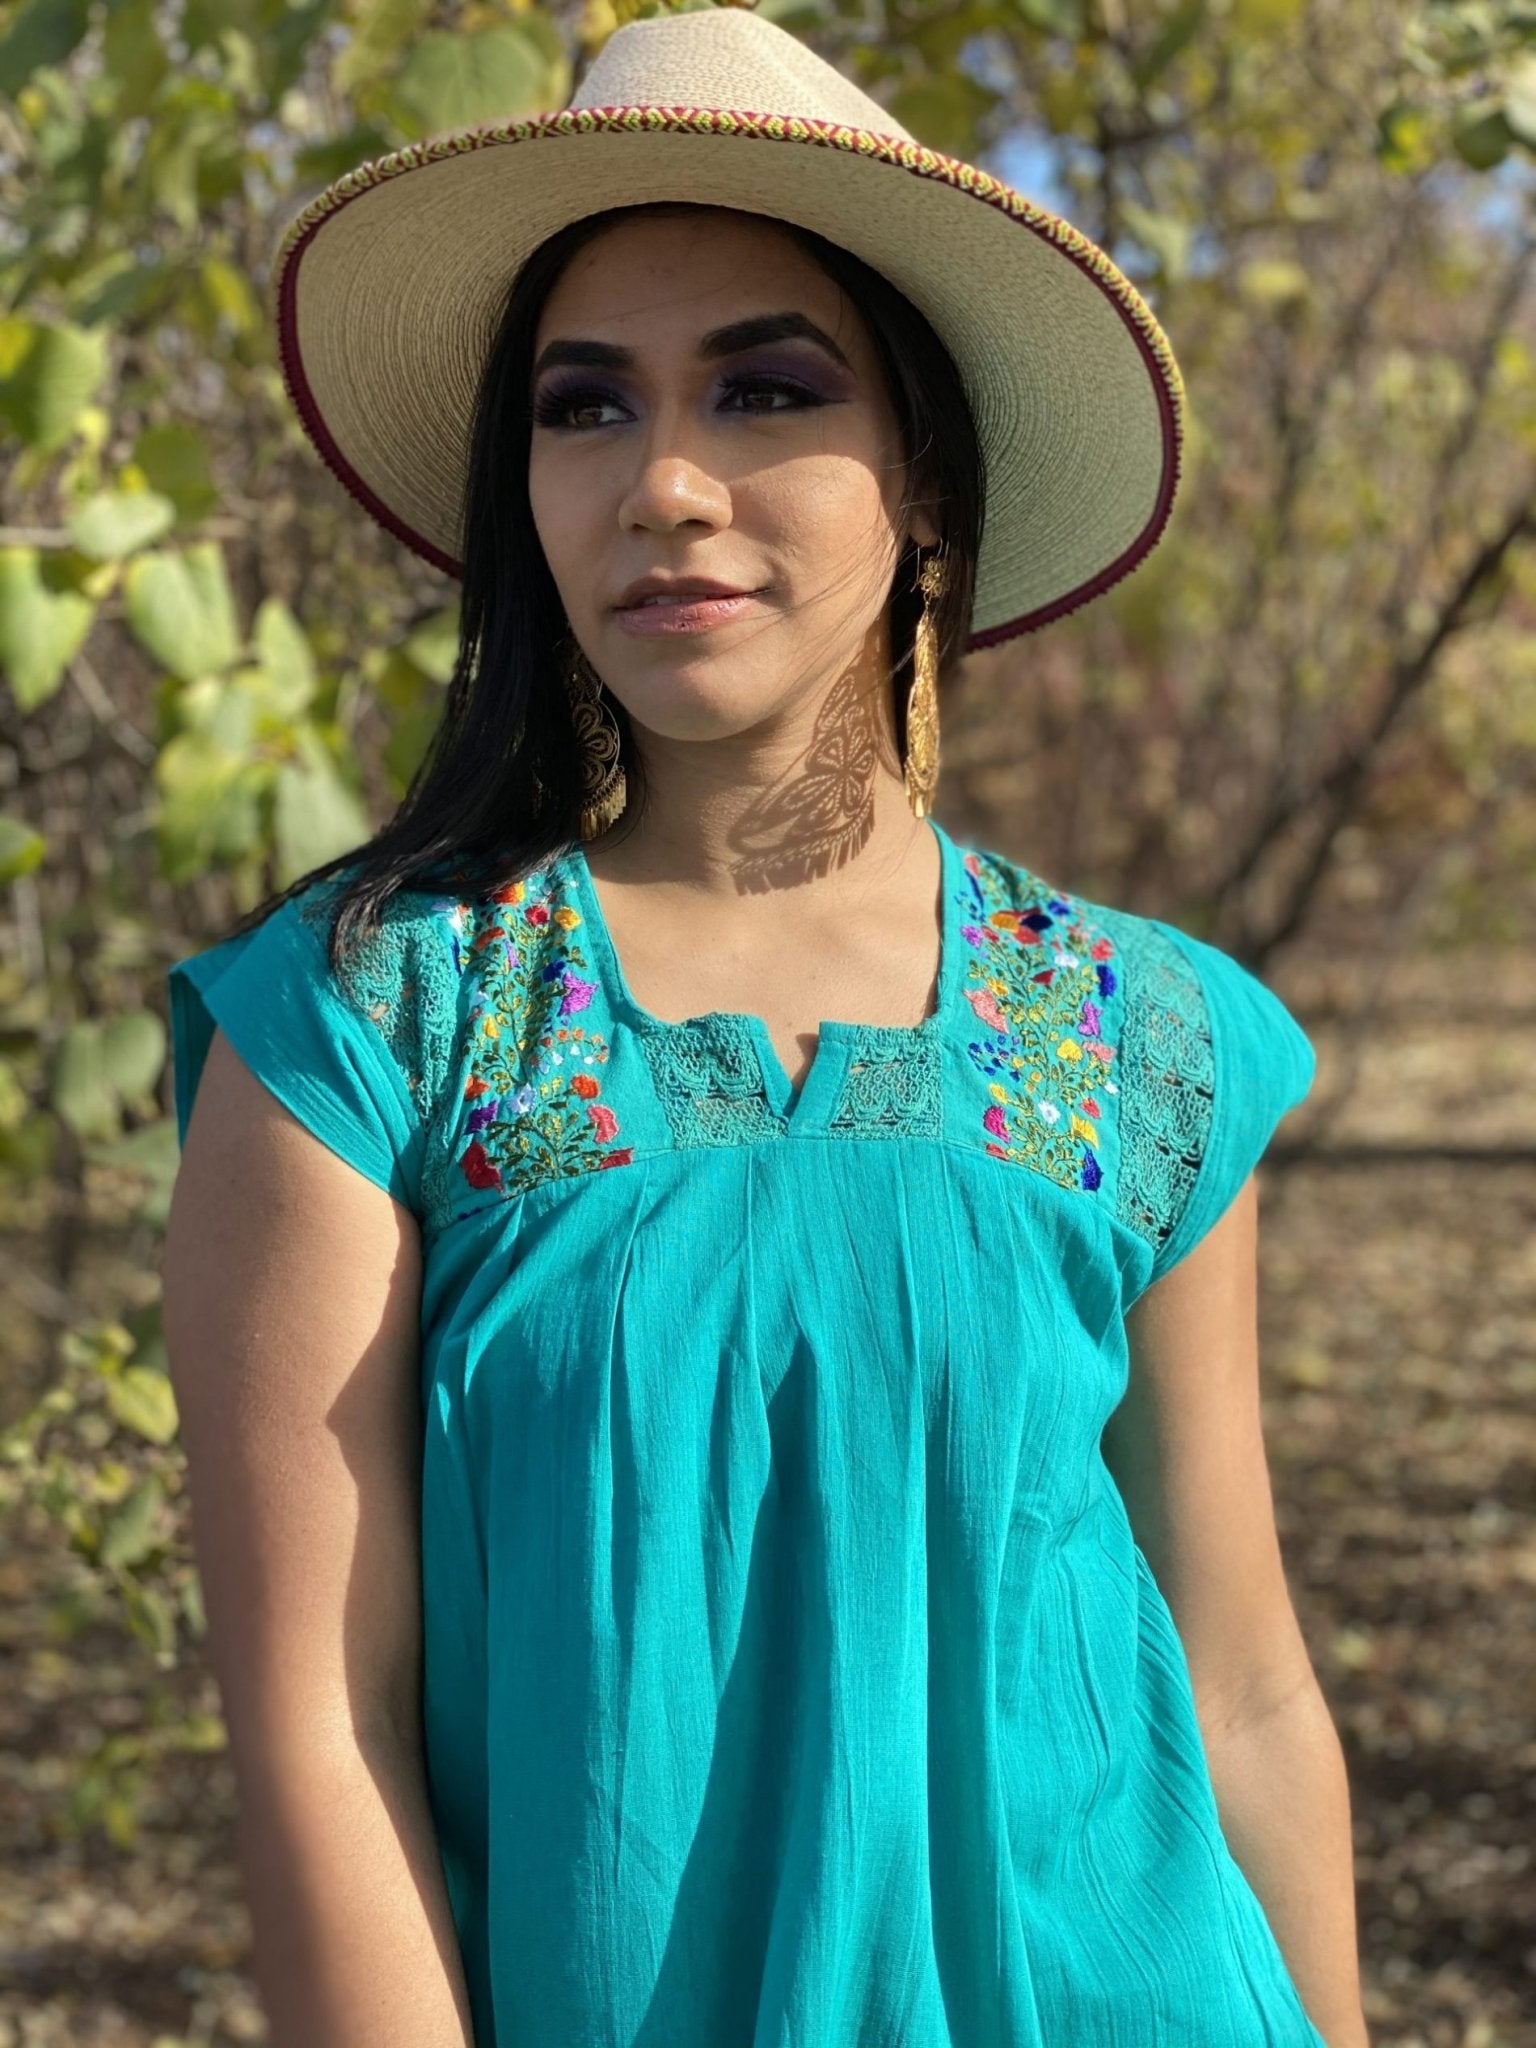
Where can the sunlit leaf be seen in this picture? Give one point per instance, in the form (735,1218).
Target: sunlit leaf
(456,81)
(285,654)
(41,629)
(315,815)
(182,610)
(144,1402)
(21,849)
(115,523)
(50,380)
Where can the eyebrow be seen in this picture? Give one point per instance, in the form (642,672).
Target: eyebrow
(719,341)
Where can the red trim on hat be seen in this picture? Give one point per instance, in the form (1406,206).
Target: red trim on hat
(291,361)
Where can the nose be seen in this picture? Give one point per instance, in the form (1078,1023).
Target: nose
(671,485)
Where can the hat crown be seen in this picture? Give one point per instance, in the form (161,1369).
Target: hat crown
(727,59)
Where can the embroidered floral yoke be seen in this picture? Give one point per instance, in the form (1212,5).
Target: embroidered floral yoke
(792,1676)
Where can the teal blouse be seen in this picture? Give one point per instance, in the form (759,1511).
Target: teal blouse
(792,1676)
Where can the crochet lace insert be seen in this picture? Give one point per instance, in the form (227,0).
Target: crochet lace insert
(400,976)
(892,1088)
(710,1081)
(1167,1081)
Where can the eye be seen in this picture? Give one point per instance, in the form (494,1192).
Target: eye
(784,387)
(557,408)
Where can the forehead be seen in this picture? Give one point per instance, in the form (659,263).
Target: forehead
(675,275)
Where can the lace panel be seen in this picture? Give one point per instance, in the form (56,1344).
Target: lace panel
(892,1088)
(404,979)
(1168,1076)
(1038,977)
(709,1081)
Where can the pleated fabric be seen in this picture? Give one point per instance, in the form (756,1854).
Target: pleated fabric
(792,1675)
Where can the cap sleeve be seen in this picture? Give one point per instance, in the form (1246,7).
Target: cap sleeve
(1250,1063)
(274,995)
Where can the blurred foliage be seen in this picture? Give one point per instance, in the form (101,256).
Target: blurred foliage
(215,671)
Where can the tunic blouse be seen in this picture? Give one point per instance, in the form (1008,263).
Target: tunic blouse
(792,1677)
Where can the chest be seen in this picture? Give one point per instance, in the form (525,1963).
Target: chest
(791,976)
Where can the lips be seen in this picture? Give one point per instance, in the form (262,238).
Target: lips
(647,591)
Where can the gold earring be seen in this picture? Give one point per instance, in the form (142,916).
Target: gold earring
(604,788)
(920,774)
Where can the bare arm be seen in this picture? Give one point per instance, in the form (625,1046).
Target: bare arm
(1187,1451)
(292,1297)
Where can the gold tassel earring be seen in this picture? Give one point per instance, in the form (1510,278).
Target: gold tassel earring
(921,772)
(605,791)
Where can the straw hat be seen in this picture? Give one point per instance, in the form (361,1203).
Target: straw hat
(387,285)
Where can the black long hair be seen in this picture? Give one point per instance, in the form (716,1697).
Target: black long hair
(499,788)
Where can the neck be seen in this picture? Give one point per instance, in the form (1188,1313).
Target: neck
(815,794)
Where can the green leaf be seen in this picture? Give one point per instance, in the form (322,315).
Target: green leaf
(40,32)
(144,1402)
(229,295)
(1272,281)
(1405,137)
(21,849)
(112,524)
(452,80)
(133,57)
(315,815)
(133,1052)
(1482,136)
(81,1091)
(381,31)
(150,1617)
(943,111)
(48,376)
(433,646)
(1056,17)
(1177,33)
(175,460)
(152,1151)
(41,630)
(182,609)
(284,652)
(131,1531)
(1162,235)
(210,803)
(1520,99)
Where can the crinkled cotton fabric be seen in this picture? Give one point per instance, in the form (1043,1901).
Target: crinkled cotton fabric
(792,1675)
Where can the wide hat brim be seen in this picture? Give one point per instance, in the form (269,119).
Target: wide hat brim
(388,285)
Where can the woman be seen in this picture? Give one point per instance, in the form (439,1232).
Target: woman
(706,1312)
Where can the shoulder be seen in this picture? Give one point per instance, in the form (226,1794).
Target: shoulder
(417,969)
(1193,1058)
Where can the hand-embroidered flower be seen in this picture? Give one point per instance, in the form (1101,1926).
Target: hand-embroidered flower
(984,1003)
(578,993)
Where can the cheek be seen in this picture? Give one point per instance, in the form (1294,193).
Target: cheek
(555,505)
(828,523)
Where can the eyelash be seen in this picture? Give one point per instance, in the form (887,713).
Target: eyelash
(554,407)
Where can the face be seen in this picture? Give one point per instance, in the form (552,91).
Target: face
(670,439)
